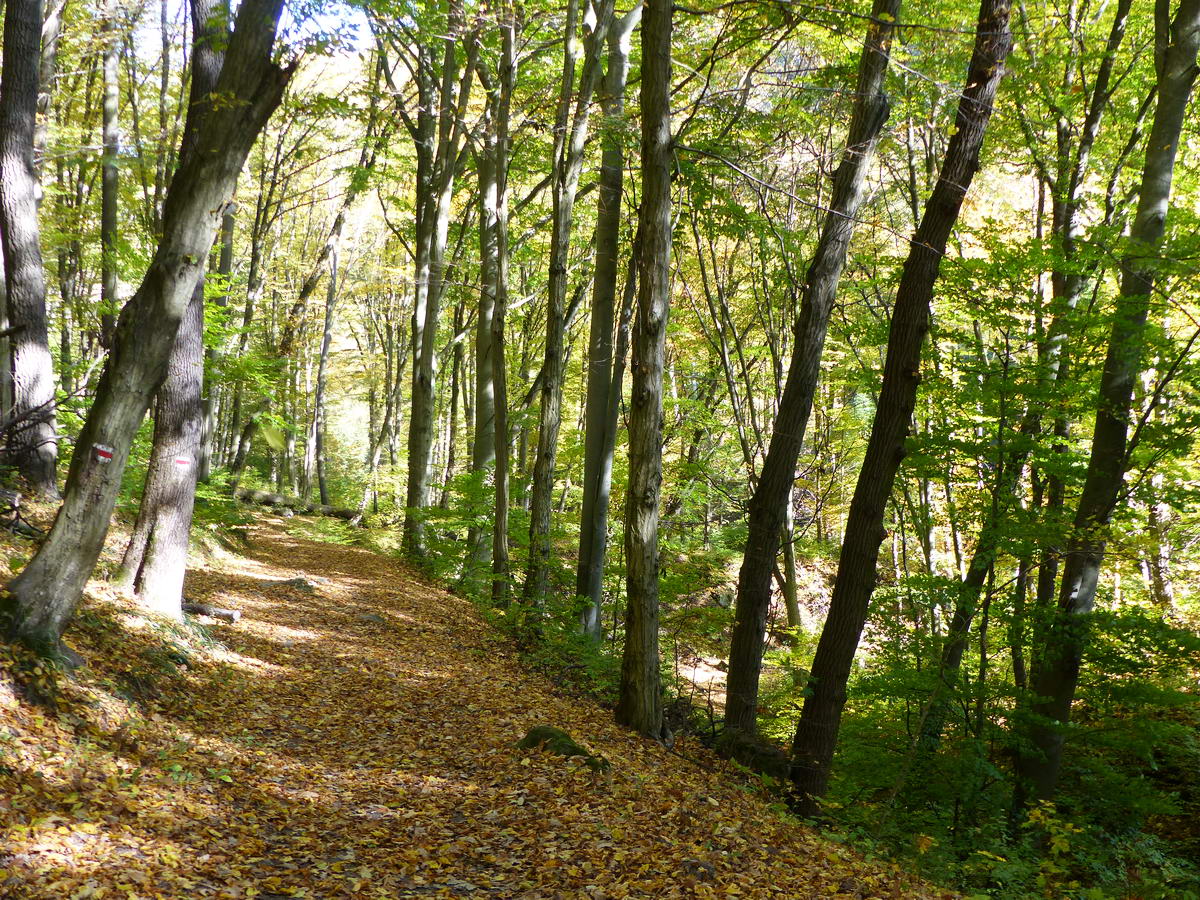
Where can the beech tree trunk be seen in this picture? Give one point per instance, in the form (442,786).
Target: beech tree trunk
(110,303)
(314,446)
(483,450)
(501,103)
(570,136)
(816,733)
(640,703)
(603,371)
(34,445)
(437,132)
(42,597)
(1057,664)
(47,72)
(208,435)
(156,558)
(768,509)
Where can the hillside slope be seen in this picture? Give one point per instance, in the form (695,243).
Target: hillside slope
(353,736)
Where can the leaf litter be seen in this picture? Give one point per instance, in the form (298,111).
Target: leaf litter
(354,737)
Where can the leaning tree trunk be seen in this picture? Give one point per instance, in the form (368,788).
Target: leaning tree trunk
(156,557)
(41,599)
(768,509)
(603,375)
(33,445)
(640,703)
(1056,673)
(816,733)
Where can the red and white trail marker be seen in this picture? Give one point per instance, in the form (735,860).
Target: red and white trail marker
(102,453)
(183,461)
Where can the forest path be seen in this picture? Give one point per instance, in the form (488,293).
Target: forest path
(355,738)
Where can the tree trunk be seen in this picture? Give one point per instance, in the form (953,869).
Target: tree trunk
(437,133)
(42,598)
(456,367)
(483,449)
(816,733)
(604,372)
(640,703)
(501,102)
(314,447)
(47,72)
(110,303)
(1056,672)
(768,509)
(224,271)
(34,444)
(156,558)
(570,136)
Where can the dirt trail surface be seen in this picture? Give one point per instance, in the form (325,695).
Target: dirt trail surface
(353,736)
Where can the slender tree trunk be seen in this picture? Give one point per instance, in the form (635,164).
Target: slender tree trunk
(34,445)
(456,368)
(483,448)
(437,133)
(47,72)
(603,373)
(110,303)
(501,99)
(640,703)
(816,733)
(570,136)
(224,271)
(42,598)
(313,462)
(1056,674)
(768,504)
(1158,554)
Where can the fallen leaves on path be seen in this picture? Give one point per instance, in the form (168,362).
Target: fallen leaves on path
(353,737)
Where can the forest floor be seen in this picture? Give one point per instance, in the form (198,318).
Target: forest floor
(353,736)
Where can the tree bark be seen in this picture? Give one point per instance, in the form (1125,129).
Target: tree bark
(570,137)
(483,450)
(603,372)
(33,446)
(42,598)
(156,557)
(208,435)
(501,104)
(1056,673)
(768,509)
(640,703)
(437,133)
(816,733)
(110,303)
(314,447)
